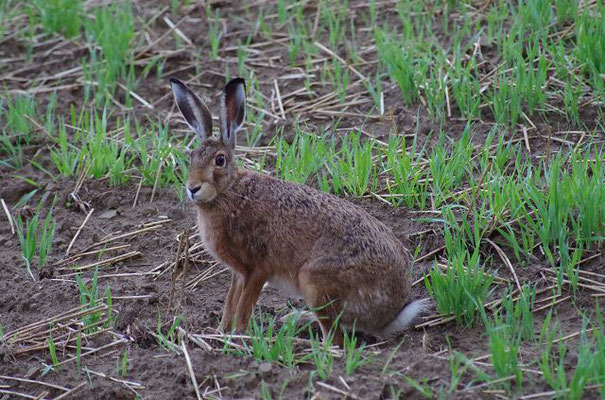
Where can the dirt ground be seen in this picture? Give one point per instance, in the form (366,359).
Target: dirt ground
(141,285)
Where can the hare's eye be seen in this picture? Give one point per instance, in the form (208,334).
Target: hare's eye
(220,160)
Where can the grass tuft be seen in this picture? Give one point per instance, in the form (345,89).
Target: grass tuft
(36,236)
(59,16)
(464,287)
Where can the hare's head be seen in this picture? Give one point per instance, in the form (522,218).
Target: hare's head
(212,166)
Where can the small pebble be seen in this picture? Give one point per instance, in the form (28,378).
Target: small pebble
(265,368)
(109,214)
(148,211)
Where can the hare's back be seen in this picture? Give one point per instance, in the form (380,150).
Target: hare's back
(313,214)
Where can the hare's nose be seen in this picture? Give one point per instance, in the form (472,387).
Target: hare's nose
(194,190)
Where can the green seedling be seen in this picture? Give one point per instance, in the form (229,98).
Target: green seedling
(399,63)
(36,236)
(16,132)
(265,391)
(89,297)
(408,186)
(301,160)
(351,168)
(321,355)
(214,31)
(268,343)
(449,169)
(464,287)
(79,352)
(124,363)
(113,32)
(59,16)
(169,340)
(53,351)
(354,357)
(64,155)
(423,388)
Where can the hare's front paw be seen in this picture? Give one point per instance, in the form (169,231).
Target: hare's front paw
(226,324)
(231,328)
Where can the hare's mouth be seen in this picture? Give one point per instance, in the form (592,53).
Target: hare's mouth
(201,193)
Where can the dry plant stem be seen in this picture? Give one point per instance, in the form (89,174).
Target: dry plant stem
(78,231)
(345,384)
(344,393)
(486,384)
(155,183)
(279,101)
(554,393)
(107,262)
(171,25)
(554,303)
(76,257)
(93,351)
(600,289)
(62,325)
(136,96)
(200,342)
(590,258)
(24,395)
(135,297)
(175,270)
(156,42)
(185,269)
(73,313)
(125,275)
(34,382)
(430,254)
(123,236)
(526,138)
(506,261)
(435,322)
(72,391)
(8,216)
(58,340)
(136,196)
(37,125)
(129,384)
(497,302)
(191,373)
(573,335)
(204,276)
(344,63)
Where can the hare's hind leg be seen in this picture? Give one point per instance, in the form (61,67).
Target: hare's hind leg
(323,300)
(235,291)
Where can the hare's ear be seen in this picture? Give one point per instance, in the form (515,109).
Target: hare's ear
(232,110)
(193,109)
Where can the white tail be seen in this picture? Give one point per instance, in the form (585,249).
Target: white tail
(405,317)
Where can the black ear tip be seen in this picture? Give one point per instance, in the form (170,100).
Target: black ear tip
(234,83)
(174,81)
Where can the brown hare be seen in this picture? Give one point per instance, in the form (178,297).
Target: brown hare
(346,265)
